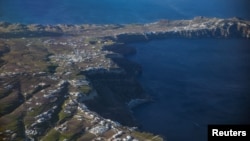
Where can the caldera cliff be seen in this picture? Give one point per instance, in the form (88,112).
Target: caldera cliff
(72,82)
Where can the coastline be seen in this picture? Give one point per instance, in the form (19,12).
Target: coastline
(75,60)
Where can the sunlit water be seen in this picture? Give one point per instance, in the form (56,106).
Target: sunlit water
(193,82)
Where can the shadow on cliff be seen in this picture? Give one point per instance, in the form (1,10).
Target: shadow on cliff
(116,88)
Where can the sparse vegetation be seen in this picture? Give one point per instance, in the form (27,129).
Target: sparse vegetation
(9,103)
(85,89)
(52,135)
(86,137)
(51,68)
(146,136)
(12,123)
(63,115)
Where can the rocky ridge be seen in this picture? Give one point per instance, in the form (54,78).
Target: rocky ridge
(194,28)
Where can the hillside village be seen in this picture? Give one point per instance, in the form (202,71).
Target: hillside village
(52,90)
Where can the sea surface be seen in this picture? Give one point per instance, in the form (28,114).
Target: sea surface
(117,11)
(193,82)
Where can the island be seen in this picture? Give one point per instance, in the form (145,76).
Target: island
(73,82)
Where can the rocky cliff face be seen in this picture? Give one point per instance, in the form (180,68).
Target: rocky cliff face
(197,28)
(117,87)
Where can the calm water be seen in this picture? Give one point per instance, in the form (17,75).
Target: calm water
(194,82)
(117,11)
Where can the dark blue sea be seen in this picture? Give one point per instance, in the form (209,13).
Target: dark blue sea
(193,82)
(117,11)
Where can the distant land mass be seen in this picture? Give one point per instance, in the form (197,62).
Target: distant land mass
(73,82)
